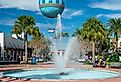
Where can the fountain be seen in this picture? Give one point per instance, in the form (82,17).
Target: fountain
(61,72)
(52,9)
(72,51)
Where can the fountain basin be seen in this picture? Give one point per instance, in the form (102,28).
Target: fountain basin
(70,74)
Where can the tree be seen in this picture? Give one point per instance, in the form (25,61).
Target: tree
(25,24)
(65,34)
(40,43)
(85,45)
(77,33)
(93,30)
(115,27)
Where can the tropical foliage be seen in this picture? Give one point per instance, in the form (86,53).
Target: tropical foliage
(93,30)
(25,24)
(115,28)
(93,35)
(40,44)
(63,34)
(113,58)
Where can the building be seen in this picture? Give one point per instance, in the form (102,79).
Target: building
(113,40)
(12,49)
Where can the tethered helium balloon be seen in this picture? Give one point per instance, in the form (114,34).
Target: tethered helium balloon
(51,8)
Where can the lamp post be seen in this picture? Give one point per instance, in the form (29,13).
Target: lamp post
(52,30)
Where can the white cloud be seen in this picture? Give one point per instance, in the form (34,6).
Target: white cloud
(109,15)
(39,13)
(32,5)
(20,4)
(69,13)
(107,4)
(7,21)
(76,13)
(42,25)
(66,27)
(99,15)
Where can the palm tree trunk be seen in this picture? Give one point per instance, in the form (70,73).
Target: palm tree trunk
(93,52)
(26,45)
(116,41)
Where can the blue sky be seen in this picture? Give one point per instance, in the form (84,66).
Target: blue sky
(76,12)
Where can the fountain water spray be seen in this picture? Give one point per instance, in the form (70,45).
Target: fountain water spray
(71,52)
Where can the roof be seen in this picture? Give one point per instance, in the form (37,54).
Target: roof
(14,43)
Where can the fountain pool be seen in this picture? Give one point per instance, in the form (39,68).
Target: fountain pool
(70,74)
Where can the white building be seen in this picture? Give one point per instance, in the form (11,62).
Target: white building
(11,48)
(119,44)
(119,41)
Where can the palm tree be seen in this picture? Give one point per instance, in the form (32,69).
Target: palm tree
(77,32)
(25,24)
(93,30)
(65,34)
(115,27)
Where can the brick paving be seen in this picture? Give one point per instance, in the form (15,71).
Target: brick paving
(11,67)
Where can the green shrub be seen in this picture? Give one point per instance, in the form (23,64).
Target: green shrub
(45,59)
(108,63)
(114,57)
(88,63)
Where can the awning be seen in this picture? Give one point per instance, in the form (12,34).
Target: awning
(11,42)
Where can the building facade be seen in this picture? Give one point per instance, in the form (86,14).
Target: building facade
(11,49)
